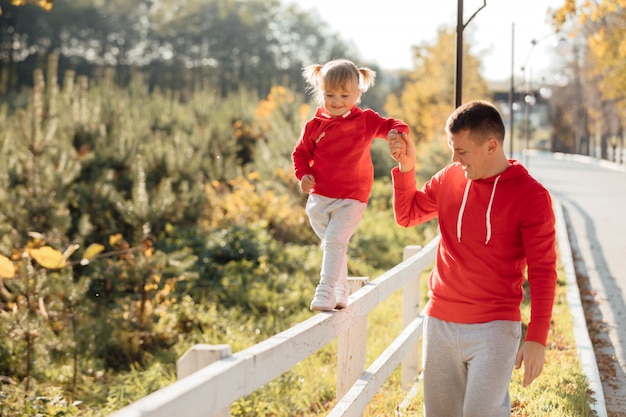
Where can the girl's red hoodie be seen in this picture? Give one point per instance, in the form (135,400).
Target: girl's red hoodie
(491,230)
(336,151)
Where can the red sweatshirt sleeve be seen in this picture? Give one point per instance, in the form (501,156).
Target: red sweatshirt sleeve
(539,244)
(302,155)
(380,126)
(411,206)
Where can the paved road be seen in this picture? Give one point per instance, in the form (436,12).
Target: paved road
(593,196)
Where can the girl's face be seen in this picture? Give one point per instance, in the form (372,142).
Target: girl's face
(339,101)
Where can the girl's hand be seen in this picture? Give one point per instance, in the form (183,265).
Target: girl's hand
(395,145)
(402,150)
(307,183)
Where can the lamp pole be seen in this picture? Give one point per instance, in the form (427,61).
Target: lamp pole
(512,93)
(460,27)
(458,75)
(529,102)
(562,47)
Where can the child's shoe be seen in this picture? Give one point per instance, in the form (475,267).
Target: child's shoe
(341,294)
(324,299)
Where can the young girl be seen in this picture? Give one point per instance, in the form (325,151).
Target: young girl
(332,161)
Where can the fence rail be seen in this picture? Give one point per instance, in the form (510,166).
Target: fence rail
(208,389)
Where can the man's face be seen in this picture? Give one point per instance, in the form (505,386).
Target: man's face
(473,157)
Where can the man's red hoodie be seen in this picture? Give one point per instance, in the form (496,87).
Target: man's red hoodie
(336,151)
(491,229)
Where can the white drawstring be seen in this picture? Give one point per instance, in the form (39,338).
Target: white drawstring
(459,220)
(488,216)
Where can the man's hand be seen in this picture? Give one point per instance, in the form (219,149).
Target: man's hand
(402,150)
(307,183)
(533,355)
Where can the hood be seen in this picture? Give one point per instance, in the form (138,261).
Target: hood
(515,169)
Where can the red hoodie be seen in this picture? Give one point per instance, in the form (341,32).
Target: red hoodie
(336,151)
(491,229)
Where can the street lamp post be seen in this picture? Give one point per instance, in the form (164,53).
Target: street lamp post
(563,47)
(512,93)
(460,27)
(458,74)
(529,101)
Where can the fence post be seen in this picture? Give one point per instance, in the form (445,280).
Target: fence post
(199,356)
(410,310)
(351,347)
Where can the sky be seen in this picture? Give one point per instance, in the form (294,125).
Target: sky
(385,30)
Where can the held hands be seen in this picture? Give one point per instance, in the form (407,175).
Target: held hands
(402,150)
(307,183)
(533,355)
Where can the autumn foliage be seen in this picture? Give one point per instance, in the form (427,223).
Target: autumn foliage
(44,4)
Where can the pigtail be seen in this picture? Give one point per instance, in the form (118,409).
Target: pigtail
(366,78)
(312,74)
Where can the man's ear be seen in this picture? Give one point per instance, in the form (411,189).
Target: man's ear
(492,145)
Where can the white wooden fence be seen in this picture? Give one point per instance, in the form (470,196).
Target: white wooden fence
(211,378)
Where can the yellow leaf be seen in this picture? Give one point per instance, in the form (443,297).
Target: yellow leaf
(93,250)
(45,4)
(48,257)
(113,239)
(7,269)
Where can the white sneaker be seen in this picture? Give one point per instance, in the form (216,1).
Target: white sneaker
(324,299)
(341,295)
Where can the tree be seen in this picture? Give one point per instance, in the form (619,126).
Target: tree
(44,4)
(227,44)
(602,25)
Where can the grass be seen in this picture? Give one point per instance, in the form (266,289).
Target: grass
(308,389)
(562,389)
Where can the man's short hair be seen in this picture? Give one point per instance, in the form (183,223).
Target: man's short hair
(480,117)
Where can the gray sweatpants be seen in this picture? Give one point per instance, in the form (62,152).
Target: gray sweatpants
(334,220)
(468,367)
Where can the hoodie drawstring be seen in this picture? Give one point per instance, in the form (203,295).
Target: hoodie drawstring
(459,222)
(488,216)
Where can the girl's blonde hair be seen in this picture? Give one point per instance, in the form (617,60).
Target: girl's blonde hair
(335,75)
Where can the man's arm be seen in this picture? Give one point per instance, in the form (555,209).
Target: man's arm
(540,247)
(410,205)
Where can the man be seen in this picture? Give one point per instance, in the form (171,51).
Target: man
(495,220)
